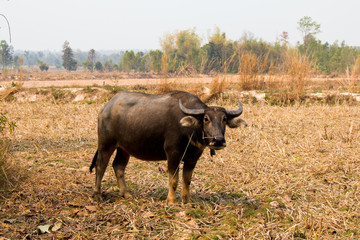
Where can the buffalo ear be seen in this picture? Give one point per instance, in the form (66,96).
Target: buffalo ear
(189,121)
(236,122)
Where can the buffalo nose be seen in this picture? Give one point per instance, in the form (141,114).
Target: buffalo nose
(219,141)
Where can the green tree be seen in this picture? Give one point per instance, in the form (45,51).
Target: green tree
(138,64)
(182,50)
(98,66)
(309,29)
(127,61)
(188,49)
(155,60)
(145,64)
(168,60)
(219,52)
(43,66)
(91,60)
(267,54)
(6,52)
(69,62)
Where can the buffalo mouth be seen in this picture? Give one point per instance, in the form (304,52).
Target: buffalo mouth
(217,144)
(216,147)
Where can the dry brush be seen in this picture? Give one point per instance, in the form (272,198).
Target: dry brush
(292,174)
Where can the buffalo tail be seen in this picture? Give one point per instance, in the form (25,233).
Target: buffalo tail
(93,164)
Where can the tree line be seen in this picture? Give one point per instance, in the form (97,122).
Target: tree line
(182,53)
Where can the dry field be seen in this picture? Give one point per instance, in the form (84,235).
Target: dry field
(36,79)
(294,173)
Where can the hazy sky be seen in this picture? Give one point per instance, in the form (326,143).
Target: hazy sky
(139,24)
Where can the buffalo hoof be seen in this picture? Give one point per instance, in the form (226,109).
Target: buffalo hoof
(98,197)
(127,195)
(185,199)
(170,202)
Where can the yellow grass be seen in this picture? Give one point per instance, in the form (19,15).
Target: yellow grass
(251,71)
(352,76)
(292,174)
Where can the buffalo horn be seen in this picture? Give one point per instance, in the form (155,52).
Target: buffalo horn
(235,113)
(190,111)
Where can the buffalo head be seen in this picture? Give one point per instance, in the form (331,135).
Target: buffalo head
(212,121)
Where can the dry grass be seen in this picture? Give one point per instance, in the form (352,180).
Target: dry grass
(251,71)
(294,173)
(350,82)
(297,68)
(287,85)
(164,86)
(53,75)
(4,94)
(216,88)
(9,171)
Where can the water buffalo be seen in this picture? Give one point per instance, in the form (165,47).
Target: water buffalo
(176,126)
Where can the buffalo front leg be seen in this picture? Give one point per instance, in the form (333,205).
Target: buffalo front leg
(120,162)
(187,174)
(173,170)
(101,164)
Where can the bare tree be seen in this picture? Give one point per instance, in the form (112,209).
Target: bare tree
(7,24)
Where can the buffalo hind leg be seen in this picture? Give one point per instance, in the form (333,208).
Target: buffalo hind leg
(101,164)
(187,174)
(173,170)
(120,162)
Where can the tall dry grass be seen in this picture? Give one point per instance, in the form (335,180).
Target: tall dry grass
(220,82)
(289,84)
(297,69)
(290,79)
(217,87)
(352,75)
(251,71)
(165,85)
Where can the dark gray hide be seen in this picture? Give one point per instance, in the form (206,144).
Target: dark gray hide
(158,127)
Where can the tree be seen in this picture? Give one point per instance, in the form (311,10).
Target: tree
(108,66)
(69,62)
(16,62)
(155,60)
(284,38)
(43,66)
(219,52)
(91,60)
(7,24)
(181,50)
(98,66)
(309,29)
(6,52)
(127,61)
(188,48)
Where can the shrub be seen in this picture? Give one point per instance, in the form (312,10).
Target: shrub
(4,122)
(43,66)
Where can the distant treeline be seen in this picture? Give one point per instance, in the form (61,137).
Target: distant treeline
(53,58)
(183,53)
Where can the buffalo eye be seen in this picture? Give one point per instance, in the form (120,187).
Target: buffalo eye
(206,119)
(224,119)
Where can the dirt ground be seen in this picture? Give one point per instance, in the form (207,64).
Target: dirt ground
(294,173)
(121,82)
(38,80)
